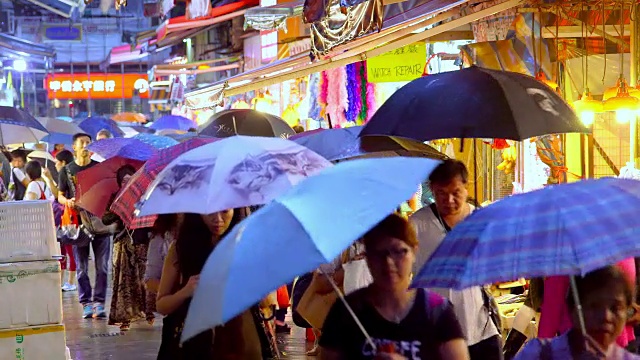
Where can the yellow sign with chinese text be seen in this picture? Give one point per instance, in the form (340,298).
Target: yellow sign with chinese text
(402,64)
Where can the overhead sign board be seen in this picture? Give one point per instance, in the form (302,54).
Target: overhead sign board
(96,86)
(403,64)
(61,32)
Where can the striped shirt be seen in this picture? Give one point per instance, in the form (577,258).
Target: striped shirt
(468,304)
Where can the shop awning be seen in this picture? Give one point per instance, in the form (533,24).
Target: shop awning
(445,15)
(14,47)
(198,67)
(178,28)
(272,17)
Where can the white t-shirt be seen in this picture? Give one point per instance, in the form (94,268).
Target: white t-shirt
(37,187)
(468,304)
(19,174)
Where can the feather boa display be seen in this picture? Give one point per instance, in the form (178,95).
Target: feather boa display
(371,97)
(362,71)
(324,86)
(354,93)
(337,99)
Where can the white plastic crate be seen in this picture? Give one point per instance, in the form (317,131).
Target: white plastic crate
(36,342)
(27,231)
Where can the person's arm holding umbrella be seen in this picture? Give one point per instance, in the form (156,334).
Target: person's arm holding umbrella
(169,300)
(48,178)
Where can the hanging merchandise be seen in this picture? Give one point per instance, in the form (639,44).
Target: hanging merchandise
(354,93)
(315,105)
(362,72)
(8,94)
(549,148)
(509,156)
(177,90)
(497,144)
(337,99)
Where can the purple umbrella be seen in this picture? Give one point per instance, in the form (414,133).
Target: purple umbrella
(174,122)
(128,148)
(92,125)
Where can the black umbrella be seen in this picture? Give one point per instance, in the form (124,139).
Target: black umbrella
(474,103)
(344,143)
(245,122)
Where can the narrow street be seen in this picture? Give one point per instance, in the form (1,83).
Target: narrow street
(90,339)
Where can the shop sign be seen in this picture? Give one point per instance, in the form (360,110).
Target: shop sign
(62,32)
(299,47)
(403,64)
(96,86)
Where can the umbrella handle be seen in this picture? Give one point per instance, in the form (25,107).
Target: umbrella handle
(353,314)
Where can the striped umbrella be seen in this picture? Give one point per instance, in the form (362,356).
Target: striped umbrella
(124,205)
(566,229)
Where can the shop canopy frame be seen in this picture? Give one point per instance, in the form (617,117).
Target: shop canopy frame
(15,48)
(444,16)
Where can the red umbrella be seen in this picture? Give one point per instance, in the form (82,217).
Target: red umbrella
(97,184)
(124,205)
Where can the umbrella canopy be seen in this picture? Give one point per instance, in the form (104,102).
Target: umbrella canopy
(323,215)
(124,205)
(566,229)
(157,141)
(174,122)
(230,173)
(130,131)
(344,143)
(130,117)
(474,103)
(246,122)
(18,126)
(97,184)
(134,148)
(60,131)
(92,125)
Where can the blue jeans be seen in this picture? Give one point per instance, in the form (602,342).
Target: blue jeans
(101,250)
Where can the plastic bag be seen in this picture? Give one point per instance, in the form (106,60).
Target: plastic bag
(356,275)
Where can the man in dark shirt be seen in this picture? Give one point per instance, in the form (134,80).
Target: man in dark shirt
(101,243)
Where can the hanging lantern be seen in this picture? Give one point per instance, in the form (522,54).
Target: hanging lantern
(623,104)
(587,107)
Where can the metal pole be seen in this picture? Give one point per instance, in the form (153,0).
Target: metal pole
(22,90)
(633,52)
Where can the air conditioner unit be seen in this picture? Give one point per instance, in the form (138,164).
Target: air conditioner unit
(7,21)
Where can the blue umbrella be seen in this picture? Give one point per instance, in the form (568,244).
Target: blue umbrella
(92,125)
(60,131)
(174,122)
(157,141)
(318,219)
(128,148)
(567,229)
(18,126)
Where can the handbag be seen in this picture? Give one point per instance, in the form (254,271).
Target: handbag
(170,348)
(299,288)
(71,232)
(314,306)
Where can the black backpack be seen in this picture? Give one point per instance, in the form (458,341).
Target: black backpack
(299,289)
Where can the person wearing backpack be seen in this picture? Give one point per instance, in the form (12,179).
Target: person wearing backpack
(37,188)
(92,299)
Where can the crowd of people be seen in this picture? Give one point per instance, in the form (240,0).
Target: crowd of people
(156,271)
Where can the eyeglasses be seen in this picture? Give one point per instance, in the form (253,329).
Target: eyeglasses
(395,254)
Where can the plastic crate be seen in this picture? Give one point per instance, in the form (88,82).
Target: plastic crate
(27,231)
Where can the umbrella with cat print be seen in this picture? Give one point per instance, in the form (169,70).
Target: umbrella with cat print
(230,173)
(124,205)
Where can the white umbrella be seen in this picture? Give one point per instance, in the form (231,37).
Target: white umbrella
(17,127)
(60,131)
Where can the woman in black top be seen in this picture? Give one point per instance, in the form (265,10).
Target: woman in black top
(406,323)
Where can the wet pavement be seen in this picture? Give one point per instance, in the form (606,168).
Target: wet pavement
(91,339)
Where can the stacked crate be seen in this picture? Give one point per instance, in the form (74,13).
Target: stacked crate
(30,289)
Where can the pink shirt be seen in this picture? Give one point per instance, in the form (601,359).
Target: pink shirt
(554,315)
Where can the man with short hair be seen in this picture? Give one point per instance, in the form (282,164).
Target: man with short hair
(18,180)
(104,134)
(67,184)
(448,183)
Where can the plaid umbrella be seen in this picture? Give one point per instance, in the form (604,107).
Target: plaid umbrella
(124,205)
(565,229)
